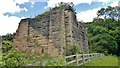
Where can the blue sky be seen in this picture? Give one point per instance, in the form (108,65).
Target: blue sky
(12,11)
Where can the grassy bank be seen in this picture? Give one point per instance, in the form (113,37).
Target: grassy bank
(104,61)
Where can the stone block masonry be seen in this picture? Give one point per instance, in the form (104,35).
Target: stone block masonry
(51,33)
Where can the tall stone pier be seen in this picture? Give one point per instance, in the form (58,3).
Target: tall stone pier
(51,33)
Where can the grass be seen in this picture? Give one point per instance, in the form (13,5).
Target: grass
(105,61)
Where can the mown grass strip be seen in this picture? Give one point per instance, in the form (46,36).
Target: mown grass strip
(104,61)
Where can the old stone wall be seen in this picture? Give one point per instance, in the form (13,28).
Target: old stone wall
(75,32)
(51,33)
(56,32)
(21,35)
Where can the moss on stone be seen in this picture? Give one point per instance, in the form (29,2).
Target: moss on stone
(52,10)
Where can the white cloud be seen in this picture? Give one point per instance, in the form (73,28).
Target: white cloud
(26,1)
(52,3)
(105,1)
(9,24)
(9,6)
(25,9)
(115,3)
(32,4)
(87,16)
(21,1)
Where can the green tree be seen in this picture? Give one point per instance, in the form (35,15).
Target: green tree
(109,12)
(104,36)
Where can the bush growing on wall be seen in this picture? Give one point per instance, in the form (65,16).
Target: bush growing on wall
(72,49)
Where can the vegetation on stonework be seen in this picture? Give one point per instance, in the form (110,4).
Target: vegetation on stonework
(72,50)
(60,6)
(51,10)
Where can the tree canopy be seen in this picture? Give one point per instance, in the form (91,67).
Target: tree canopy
(109,12)
(104,34)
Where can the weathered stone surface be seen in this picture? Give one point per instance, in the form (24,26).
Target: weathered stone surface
(51,33)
